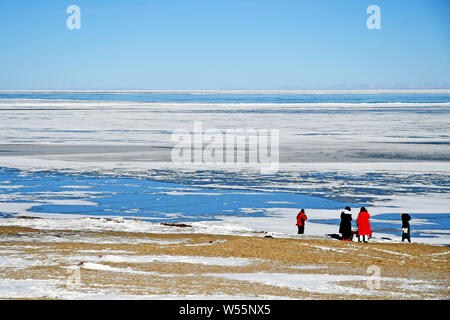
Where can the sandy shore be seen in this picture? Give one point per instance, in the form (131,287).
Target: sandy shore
(107,264)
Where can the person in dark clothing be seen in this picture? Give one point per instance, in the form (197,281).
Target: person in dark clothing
(301,218)
(406,228)
(345,228)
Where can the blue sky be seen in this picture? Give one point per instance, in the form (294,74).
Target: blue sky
(245,44)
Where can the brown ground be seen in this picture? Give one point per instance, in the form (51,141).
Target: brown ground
(427,263)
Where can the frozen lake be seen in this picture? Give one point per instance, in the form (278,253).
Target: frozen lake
(389,151)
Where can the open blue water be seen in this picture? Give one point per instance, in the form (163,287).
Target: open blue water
(235,98)
(151,200)
(170,202)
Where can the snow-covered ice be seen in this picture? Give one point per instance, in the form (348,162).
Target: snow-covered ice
(331,146)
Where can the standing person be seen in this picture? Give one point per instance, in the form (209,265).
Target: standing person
(406,229)
(345,228)
(301,218)
(364,229)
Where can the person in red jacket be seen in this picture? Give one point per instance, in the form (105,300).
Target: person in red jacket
(364,229)
(301,218)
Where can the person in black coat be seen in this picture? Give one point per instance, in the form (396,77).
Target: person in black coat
(406,228)
(345,228)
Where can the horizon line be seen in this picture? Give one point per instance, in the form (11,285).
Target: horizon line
(242,91)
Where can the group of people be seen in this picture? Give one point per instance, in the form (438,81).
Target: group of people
(364,231)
